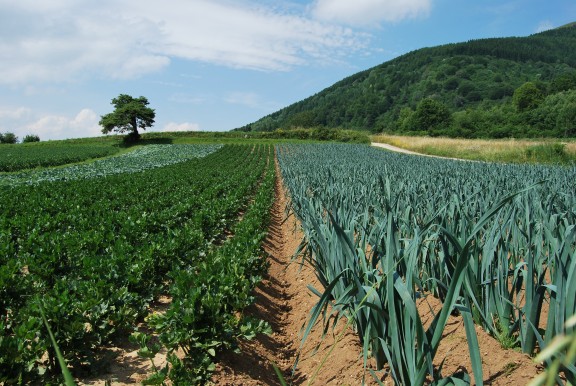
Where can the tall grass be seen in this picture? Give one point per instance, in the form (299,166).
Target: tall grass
(501,150)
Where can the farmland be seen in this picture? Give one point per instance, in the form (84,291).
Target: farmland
(41,155)
(495,242)
(148,157)
(94,253)
(95,246)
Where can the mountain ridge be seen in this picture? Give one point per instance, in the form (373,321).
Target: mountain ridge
(480,75)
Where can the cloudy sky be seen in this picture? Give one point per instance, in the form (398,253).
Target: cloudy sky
(218,64)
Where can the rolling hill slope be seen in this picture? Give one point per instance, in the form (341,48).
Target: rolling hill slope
(516,86)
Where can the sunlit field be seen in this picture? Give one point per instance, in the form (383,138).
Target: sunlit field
(504,150)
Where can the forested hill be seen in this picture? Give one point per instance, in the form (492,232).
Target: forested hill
(500,87)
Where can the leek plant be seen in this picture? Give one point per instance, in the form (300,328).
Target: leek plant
(384,229)
(68,379)
(560,357)
(382,301)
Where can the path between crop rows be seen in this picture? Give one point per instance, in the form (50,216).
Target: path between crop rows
(284,300)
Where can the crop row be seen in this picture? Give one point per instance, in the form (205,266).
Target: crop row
(14,158)
(95,252)
(143,158)
(206,315)
(496,243)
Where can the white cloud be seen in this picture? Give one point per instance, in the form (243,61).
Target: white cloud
(67,40)
(370,12)
(64,43)
(248,99)
(14,114)
(83,124)
(544,26)
(186,126)
(247,37)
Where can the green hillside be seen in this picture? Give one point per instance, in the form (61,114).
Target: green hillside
(500,87)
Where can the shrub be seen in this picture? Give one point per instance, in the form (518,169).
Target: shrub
(31,138)
(7,137)
(431,114)
(527,97)
(548,153)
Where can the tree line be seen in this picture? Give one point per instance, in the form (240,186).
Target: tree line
(11,138)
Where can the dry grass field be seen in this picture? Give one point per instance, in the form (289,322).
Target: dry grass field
(493,150)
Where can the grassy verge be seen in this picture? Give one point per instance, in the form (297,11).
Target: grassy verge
(507,150)
(276,136)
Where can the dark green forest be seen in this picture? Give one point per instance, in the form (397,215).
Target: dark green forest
(487,88)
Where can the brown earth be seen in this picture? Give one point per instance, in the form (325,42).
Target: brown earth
(284,301)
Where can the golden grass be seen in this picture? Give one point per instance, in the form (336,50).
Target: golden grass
(495,150)
(571,148)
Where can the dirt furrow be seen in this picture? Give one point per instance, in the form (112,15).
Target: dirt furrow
(284,300)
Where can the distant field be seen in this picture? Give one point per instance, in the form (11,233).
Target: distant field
(45,154)
(506,150)
(137,160)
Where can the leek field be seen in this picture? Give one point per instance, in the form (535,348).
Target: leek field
(495,243)
(86,251)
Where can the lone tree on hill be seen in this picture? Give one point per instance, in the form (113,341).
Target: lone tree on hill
(129,114)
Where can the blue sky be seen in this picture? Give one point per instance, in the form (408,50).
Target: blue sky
(215,65)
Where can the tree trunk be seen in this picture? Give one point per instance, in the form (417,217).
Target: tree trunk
(135,125)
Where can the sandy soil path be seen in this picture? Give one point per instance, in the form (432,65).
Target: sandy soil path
(284,300)
(404,151)
(394,148)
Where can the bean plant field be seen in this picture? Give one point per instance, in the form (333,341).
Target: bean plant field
(29,156)
(94,253)
(86,251)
